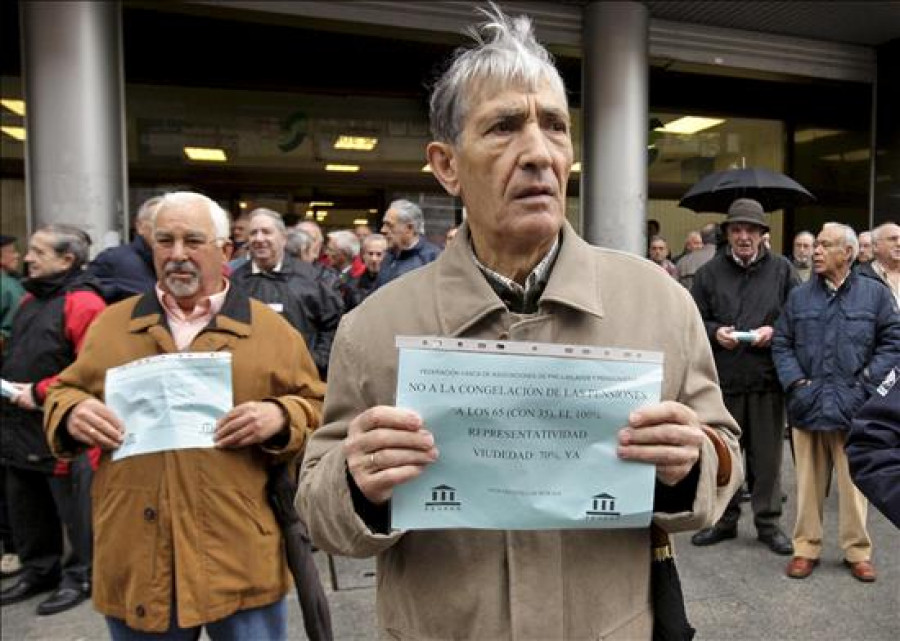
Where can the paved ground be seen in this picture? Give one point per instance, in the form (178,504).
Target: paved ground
(735,590)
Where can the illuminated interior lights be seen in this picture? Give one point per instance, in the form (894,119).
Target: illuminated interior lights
(14,132)
(689,125)
(356,143)
(205,154)
(14,105)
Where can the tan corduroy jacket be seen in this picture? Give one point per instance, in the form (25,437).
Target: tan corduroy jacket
(196,520)
(468,584)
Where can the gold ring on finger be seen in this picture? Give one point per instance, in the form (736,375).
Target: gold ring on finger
(372,460)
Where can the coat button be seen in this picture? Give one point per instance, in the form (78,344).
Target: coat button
(150,514)
(503,336)
(140,611)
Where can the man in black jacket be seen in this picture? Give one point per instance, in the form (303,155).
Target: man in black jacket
(128,269)
(374,248)
(46,495)
(290,286)
(740,293)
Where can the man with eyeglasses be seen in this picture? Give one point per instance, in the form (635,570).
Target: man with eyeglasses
(185,538)
(836,340)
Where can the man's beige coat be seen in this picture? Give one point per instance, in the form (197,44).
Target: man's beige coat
(466,584)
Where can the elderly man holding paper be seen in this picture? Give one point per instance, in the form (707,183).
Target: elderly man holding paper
(517,272)
(184,535)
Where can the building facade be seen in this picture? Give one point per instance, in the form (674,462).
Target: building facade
(318,109)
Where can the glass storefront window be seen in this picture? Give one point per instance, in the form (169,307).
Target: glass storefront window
(834,164)
(683,148)
(275,130)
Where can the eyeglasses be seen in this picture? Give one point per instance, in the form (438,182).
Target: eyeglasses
(191,242)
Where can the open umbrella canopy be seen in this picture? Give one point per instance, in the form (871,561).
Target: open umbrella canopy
(773,190)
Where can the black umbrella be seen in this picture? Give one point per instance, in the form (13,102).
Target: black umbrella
(773,190)
(281,489)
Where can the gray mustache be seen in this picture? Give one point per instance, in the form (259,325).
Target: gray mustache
(180,266)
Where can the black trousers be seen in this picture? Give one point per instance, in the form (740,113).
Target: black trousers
(761,417)
(41,506)
(6,537)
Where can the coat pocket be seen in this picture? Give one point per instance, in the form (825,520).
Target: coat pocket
(801,404)
(257,563)
(126,533)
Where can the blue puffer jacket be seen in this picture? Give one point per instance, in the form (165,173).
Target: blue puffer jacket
(843,342)
(397,264)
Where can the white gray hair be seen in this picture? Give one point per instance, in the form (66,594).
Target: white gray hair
(68,239)
(876,233)
(505,53)
(272,215)
(146,211)
(410,213)
(371,238)
(850,239)
(219,218)
(297,243)
(346,242)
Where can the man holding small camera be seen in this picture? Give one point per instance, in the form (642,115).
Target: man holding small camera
(740,294)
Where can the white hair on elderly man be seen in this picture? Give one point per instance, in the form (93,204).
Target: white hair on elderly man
(69,239)
(346,242)
(506,54)
(409,213)
(220,220)
(272,215)
(850,239)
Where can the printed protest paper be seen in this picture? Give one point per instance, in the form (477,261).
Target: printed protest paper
(527,435)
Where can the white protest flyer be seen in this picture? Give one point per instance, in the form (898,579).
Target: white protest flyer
(171,401)
(527,435)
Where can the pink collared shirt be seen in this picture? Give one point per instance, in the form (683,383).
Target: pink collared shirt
(186,325)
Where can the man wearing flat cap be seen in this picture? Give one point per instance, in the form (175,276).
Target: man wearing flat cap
(740,294)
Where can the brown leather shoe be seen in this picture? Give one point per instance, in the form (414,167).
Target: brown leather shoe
(862,571)
(800,568)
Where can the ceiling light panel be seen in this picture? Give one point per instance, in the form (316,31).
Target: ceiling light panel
(205,154)
(355,143)
(689,125)
(14,132)
(14,105)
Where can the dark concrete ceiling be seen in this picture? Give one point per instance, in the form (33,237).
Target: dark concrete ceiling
(859,22)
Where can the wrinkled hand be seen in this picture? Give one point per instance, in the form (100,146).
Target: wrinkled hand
(763,336)
(25,399)
(667,434)
(94,424)
(725,338)
(387,446)
(249,423)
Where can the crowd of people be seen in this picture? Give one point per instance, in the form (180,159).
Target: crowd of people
(46,315)
(756,346)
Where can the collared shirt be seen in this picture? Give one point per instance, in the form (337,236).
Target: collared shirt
(186,325)
(256,269)
(522,300)
(834,287)
(894,286)
(741,262)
